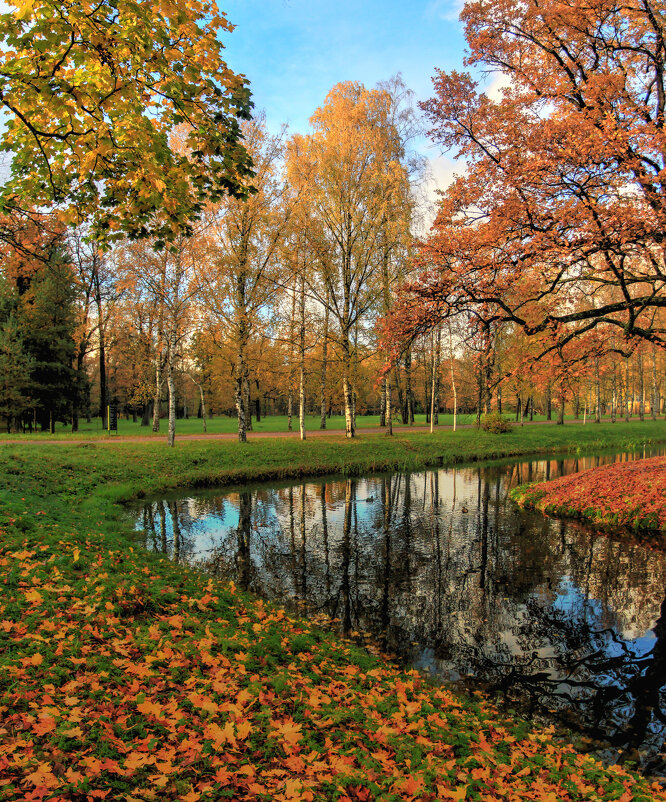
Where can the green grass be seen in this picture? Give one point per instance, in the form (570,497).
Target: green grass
(222,424)
(79,480)
(126,676)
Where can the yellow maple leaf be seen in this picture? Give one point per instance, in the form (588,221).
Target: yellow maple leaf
(24,9)
(149,708)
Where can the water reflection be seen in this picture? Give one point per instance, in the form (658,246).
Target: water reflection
(448,573)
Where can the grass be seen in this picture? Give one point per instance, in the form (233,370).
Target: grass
(125,676)
(223,424)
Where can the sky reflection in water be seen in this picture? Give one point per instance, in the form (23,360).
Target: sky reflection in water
(445,571)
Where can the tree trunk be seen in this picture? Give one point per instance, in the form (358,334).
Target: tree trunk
(560,411)
(171,384)
(614,398)
(400,394)
(301,390)
(409,395)
(382,404)
(157,399)
(597,392)
(479,392)
(248,399)
(346,385)
(549,403)
(438,361)
(202,403)
(290,397)
(654,403)
(433,385)
(389,412)
(355,376)
(626,392)
(324,365)
(641,389)
(103,389)
(241,390)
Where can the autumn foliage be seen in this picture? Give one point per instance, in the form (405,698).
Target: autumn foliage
(556,226)
(125,676)
(623,494)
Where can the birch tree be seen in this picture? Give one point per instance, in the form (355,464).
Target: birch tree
(350,169)
(244,239)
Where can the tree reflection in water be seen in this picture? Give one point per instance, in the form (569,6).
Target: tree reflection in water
(445,571)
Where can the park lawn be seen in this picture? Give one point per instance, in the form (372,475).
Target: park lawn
(224,424)
(626,494)
(125,676)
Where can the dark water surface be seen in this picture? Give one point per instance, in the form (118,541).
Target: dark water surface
(450,575)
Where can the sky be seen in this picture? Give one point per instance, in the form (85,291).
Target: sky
(295,51)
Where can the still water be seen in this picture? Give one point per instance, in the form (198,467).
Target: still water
(447,573)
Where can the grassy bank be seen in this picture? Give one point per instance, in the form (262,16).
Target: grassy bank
(631,495)
(223,424)
(124,676)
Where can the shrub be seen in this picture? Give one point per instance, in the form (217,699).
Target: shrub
(496,423)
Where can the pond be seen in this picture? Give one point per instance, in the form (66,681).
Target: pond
(448,574)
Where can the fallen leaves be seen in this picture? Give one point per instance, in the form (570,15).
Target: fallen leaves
(139,692)
(629,494)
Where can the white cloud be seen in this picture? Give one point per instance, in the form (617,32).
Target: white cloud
(442,172)
(447,10)
(498,82)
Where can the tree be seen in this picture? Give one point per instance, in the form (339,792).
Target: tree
(558,225)
(166,281)
(244,238)
(92,92)
(16,365)
(350,171)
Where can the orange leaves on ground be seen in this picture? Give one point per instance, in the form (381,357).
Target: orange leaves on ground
(43,776)
(33,597)
(629,494)
(182,702)
(288,731)
(136,760)
(149,708)
(220,736)
(203,703)
(35,660)
(44,724)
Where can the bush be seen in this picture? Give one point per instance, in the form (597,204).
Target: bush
(496,423)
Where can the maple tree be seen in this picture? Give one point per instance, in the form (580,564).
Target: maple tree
(92,92)
(557,226)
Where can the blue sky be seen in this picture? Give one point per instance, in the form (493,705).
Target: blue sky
(294,51)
